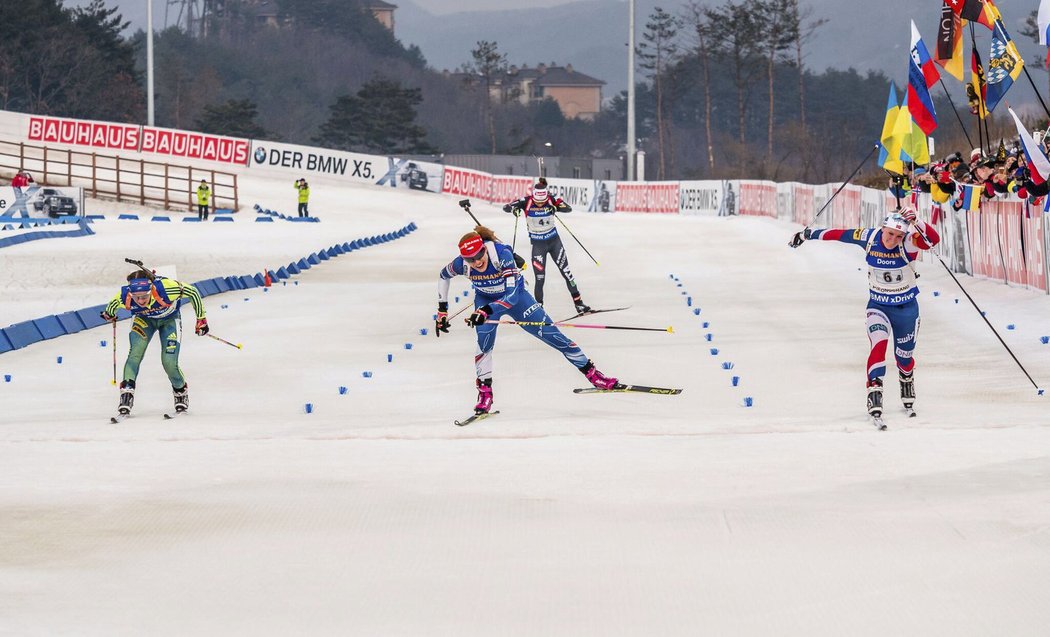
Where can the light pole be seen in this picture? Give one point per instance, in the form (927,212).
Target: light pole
(149,62)
(539,160)
(630,94)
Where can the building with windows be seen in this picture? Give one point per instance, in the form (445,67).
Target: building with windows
(577,94)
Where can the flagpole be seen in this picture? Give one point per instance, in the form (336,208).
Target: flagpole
(1024,67)
(980,97)
(956,111)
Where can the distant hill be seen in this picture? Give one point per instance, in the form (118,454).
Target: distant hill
(592,35)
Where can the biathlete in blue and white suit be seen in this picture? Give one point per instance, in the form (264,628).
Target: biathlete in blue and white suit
(892,304)
(500,291)
(539,208)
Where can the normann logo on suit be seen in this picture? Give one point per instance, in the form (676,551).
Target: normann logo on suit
(313,162)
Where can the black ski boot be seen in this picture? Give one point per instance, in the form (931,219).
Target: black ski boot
(127,397)
(907,380)
(875,402)
(875,397)
(182,398)
(581,307)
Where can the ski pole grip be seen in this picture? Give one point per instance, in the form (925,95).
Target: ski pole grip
(464,203)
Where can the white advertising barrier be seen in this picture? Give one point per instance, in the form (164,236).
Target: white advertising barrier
(290,160)
(705,198)
(757,198)
(504,189)
(130,137)
(465,182)
(38,202)
(649,196)
(1007,243)
(578,193)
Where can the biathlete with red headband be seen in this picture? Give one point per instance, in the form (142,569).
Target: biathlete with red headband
(500,291)
(892,304)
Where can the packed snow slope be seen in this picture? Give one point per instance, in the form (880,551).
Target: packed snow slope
(563,515)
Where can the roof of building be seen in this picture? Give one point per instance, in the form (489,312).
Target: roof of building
(553,75)
(379,4)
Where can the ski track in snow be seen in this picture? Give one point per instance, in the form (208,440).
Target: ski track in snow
(567,515)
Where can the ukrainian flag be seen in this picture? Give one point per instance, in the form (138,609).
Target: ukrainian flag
(890,144)
(970,197)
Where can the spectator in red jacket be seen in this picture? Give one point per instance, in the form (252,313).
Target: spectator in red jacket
(22,180)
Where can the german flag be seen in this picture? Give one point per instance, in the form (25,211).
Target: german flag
(982,11)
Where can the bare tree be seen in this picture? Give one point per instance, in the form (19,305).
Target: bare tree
(740,32)
(489,63)
(657,53)
(803,34)
(702,27)
(780,20)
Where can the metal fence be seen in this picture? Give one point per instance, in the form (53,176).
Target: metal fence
(170,186)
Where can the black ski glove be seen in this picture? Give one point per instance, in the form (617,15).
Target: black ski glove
(799,238)
(479,316)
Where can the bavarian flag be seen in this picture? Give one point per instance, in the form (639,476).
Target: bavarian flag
(1004,66)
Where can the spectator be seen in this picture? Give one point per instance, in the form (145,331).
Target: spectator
(22,179)
(203,200)
(304,197)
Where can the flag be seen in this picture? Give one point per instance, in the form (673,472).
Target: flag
(982,11)
(922,74)
(1043,19)
(949,49)
(890,146)
(1004,66)
(914,147)
(1000,153)
(1038,164)
(977,89)
(970,196)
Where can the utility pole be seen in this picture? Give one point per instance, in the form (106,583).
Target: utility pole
(149,62)
(630,94)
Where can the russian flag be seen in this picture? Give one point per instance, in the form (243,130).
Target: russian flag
(1038,164)
(922,74)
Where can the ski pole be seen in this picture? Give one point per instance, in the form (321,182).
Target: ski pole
(577,239)
(114,322)
(852,175)
(976,307)
(592,327)
(514,241)
(465,204)
(222,340)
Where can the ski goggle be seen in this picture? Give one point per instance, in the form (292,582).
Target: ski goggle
(474,259)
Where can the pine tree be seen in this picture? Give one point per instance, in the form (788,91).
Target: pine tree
(233,118)
(381,118)
(657,53)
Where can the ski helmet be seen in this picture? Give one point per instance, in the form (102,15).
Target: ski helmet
(471,245)
(539,193)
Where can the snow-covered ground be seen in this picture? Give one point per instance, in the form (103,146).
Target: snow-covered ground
(565,514)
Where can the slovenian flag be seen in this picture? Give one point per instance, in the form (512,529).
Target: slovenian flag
(922,74)
(1038,164)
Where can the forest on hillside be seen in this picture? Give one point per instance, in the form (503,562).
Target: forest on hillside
(722,89)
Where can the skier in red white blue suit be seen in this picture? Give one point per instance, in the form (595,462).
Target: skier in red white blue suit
(892,304)
(500,291)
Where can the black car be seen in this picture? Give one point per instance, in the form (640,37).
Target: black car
(416,178)
(53,203)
